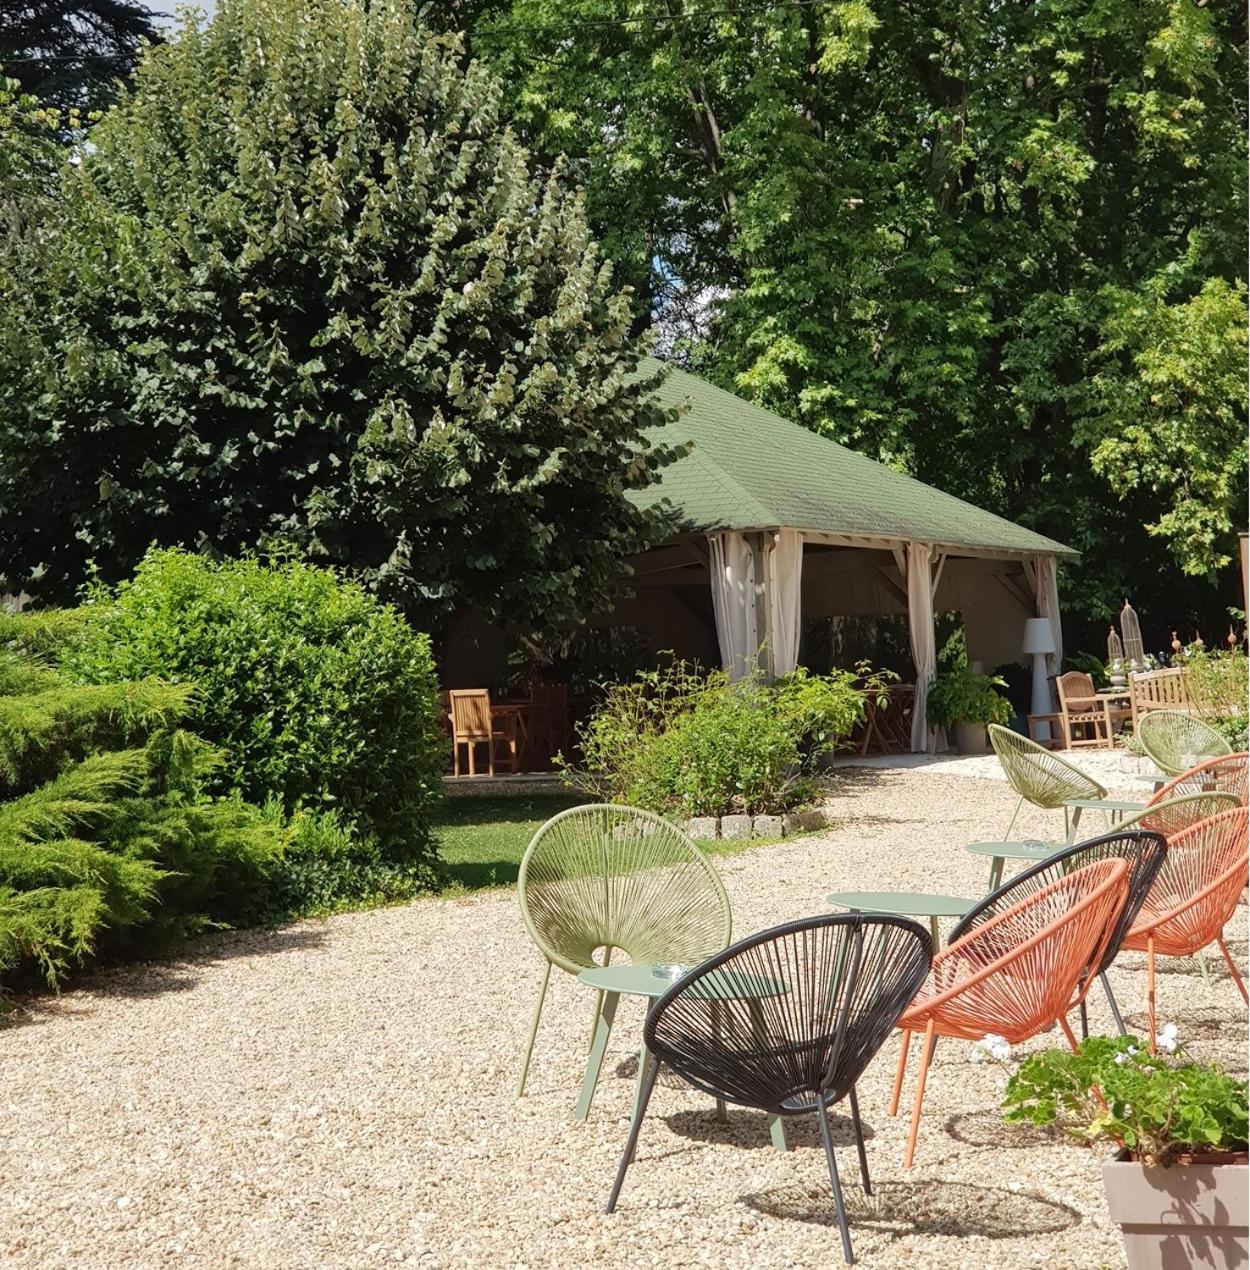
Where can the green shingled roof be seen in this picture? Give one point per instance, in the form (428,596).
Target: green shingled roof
(750,469)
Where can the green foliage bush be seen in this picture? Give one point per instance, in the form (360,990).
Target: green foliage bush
(1219,690)
(681,741)
(319,696)
(108,842)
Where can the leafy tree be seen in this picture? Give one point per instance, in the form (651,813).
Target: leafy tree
(1000,246)
(304,285)
(71,53)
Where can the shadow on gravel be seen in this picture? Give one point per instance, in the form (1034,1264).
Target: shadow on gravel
(153,978)
(923,1207)
(987,1129)
(749,1129)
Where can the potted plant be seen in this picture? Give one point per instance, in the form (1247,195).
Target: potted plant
(1176,1181)
(964,701)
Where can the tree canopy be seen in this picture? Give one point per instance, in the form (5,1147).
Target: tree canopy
(70,54)
(303,285)
(1000,246)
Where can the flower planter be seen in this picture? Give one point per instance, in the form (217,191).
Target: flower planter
(971,738)
(1194,1213)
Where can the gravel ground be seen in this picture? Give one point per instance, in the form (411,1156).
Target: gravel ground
(340,1093)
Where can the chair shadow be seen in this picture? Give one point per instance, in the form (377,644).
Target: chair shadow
(749,1130)
(923,1207)
(180,971)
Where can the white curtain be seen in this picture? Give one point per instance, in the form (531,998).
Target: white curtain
(785,586)
(1046,590)
(733,601)
(922,570)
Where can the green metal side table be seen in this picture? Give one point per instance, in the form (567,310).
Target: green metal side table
(911,903)
(1115,808)
(1031,850)
(646,980)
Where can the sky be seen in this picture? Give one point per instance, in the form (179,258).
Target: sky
(167,8)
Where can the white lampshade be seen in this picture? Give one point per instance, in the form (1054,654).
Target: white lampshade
(1038,637)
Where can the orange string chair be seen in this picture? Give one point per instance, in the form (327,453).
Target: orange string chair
(1017,974)
(1193,896)
(1228,773)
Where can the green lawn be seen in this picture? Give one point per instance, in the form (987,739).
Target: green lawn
(482,840)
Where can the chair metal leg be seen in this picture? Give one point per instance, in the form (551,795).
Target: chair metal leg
(529,1045)
(1111,1001)
(644,1097)
(1012,823)
(926,1056)
(1068,1033)
(900,1072)
(822,1114)
(1232,968)
(859,1144)
(1084,1020)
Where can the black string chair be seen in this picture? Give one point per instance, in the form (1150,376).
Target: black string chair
(785,1021)
(1142,849)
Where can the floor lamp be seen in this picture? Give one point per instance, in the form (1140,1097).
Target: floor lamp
(1038,641)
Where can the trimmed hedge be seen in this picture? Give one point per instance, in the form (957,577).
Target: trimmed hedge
(320,697)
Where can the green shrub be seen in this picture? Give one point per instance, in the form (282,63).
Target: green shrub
(1219,688)
(328,867)
(966,696)
(108,842)
(679,741)
(319,696)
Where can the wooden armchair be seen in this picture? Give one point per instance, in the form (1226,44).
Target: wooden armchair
(474,723)
(1086,718)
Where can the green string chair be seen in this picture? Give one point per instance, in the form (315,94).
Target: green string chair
(617,879)
(1038,775)
(1174,742)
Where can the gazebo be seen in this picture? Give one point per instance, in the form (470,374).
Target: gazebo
(777,523)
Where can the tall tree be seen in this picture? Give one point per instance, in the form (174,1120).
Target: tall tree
(71,53)
(1001,246)
(303,285)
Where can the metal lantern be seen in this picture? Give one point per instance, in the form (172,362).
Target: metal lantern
(1130,628)
(1115,658)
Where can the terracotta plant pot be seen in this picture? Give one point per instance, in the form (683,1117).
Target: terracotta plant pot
(1194,1213)
(971,738)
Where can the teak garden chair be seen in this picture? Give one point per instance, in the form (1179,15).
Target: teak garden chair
(1083,711)
(1193,897)
(1017,974)
(1157,690)
(616,878)
(786,1021)
(473,723)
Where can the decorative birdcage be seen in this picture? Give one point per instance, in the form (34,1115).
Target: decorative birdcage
(1130,628)
(1115,658)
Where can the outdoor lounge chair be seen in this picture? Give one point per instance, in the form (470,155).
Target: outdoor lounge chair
(1229,773)
(608,877)
(1143,849)
(1193,897)
(1038,775)
(1175,742)
(786,1021)
(1015,975)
